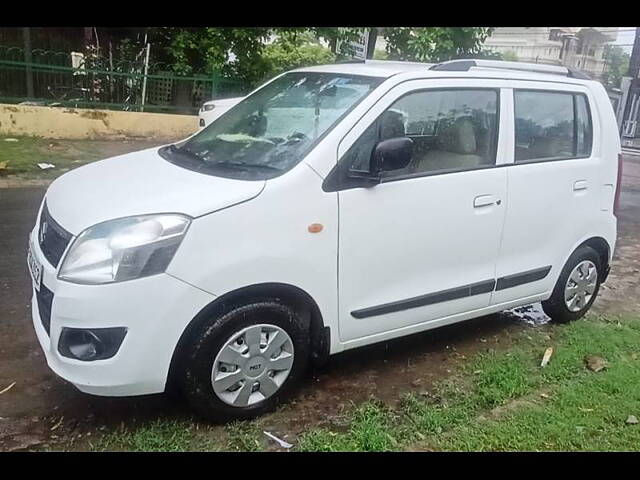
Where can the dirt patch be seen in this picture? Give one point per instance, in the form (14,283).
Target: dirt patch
(21,433)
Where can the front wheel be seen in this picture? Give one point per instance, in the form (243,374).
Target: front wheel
(245,362)
(577,286)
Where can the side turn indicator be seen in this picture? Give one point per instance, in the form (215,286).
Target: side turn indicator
(315,228)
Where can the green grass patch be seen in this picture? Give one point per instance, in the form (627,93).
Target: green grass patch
(586,414)
(242,437)
(501,377)
(371,430)
(20,156)
(584,410)
(156,436)
(494,401)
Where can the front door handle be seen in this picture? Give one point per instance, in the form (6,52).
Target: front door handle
(485,201)
(580,185)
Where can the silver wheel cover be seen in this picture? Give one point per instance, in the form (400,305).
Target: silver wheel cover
(580,286)
(252,365)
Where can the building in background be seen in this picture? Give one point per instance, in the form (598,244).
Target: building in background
(631,99)
(575,47)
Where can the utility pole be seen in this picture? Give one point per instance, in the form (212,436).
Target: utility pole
(26,35)
(634,86)
(88,38)
(371,44)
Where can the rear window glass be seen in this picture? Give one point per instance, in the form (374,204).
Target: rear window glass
(551,125)
(584,128)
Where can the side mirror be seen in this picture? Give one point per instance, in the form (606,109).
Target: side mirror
(391,154)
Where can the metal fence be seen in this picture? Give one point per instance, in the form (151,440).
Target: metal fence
(59,79)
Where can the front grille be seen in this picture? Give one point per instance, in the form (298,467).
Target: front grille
(45,300)
(52,237)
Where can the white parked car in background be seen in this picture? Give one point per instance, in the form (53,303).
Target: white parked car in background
(212,109)
(334,207)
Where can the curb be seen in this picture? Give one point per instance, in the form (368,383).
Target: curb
(23,183)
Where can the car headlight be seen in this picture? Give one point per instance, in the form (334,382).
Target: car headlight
(124,249)
(208,107)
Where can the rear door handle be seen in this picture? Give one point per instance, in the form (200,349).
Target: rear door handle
(485,201)
(580,185)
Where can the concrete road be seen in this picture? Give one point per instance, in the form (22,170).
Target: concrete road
(31,409)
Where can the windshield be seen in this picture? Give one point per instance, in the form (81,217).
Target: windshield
(272,130)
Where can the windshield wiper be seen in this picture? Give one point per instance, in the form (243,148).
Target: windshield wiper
(245,165)
(185,151)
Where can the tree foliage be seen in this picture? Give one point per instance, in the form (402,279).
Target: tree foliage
(435,44)
(252,54)
(511,56)
(293,51)
(243,53)
(617,65)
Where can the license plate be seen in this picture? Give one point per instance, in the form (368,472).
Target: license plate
(35,268)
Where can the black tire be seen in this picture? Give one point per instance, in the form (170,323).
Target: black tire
(555,306)
(212,336)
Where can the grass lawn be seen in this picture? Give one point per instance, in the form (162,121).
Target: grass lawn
(500,400)
(506,401)
(19,156)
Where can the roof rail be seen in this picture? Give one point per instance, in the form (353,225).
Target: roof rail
(350,60)
(466,65)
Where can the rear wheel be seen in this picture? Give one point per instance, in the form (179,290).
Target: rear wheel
(577,286)
(245,362)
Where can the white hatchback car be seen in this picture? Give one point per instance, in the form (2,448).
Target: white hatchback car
(213,109)
(336,206)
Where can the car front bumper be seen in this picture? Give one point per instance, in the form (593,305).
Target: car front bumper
(155,310)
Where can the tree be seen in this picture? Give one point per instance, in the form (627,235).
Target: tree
(209,50)
(510,56)
(617,63)
(294,51)
(236,52)
(435,44)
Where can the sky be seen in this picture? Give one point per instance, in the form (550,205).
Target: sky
(625,39)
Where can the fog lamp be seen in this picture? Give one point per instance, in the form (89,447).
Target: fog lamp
(90,344)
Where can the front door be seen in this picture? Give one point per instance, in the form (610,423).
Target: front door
(422,245)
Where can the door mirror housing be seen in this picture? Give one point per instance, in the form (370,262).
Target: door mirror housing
(391,154)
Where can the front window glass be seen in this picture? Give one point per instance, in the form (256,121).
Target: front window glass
(272,130)
(451,130)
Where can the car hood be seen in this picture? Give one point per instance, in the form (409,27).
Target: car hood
(140,183)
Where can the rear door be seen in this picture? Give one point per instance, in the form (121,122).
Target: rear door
(553,186)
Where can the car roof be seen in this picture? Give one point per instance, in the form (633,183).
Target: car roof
(370,68)
(386,69)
